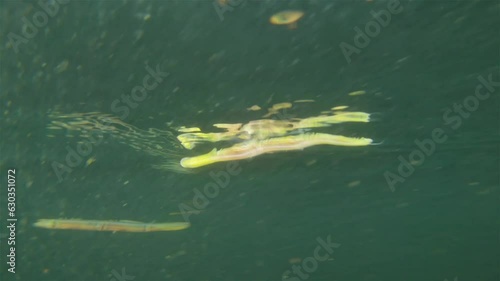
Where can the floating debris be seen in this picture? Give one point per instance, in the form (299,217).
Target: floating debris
(90,161)
(98,225)
(340,107)
(254,108)
(188,130)
(229,127)
(357,93)
(251,149)
(288,17)
(276,108)
(246,140)
(61,67)
(282,105)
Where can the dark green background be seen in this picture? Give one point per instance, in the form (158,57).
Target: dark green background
(442,222)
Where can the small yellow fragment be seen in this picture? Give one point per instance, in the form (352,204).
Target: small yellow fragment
(298,101)
(357,93)
(229,127)
(287,17)
(340,107)
(254,108)
(188,130)
(90,161)
(282,105)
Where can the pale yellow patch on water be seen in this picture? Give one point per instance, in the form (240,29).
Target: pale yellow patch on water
(340,107)
(300,101)
(288,17)
(270,113)
(229,127)
(188,130)
(61,67)
(276,107)
(353,183)
(90,161)
(254,108)
(282,105)
(357,93)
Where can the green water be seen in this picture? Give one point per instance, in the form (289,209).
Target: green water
(441,222)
